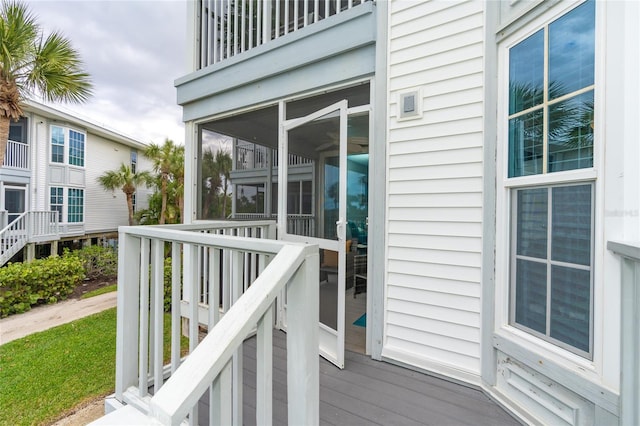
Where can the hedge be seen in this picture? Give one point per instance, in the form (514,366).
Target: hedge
(23,285)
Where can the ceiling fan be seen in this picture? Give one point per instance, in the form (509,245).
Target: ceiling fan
(355,144)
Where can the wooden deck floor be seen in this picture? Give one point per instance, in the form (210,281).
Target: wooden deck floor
(368,392)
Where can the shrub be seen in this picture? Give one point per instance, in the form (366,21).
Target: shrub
(99,262)
(49,280)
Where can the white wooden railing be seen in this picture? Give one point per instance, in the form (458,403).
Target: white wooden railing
(297,224)
(229,27)
(236,271)
(16,155)
(629,254)
(29,227)
(249,156)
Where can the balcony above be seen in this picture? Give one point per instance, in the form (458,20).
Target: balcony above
(228,28)
(240,61)
(16,155)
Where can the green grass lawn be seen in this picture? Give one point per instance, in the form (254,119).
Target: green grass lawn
(45,375)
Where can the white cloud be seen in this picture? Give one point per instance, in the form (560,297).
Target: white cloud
(134,50)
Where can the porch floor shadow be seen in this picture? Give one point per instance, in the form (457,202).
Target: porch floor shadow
(369,392)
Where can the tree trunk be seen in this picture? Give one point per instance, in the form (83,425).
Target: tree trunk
(163,205)
(130,207)
(5,123)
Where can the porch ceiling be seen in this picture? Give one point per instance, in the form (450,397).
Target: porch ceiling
(261,126)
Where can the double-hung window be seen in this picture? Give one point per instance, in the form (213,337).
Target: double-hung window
(74,211)
(550,136)
(57,144)
(62,137)
(76,148)
(75,208)
(56,201)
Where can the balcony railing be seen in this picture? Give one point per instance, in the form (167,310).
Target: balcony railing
(16,155)
(298,224)
(29,227)
(250,156)
(230,27)
(235,272)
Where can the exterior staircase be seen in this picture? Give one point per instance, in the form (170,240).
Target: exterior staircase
(29,227)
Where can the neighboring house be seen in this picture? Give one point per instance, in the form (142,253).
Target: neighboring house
(52,163)
(487,153)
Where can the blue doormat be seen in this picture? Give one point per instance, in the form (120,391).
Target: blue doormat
(362,321)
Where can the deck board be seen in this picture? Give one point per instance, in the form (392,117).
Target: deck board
(368,392)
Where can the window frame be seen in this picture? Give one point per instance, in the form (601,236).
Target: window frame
(506,185)
(57,145)
(67,158)
(65,213)
(134,160)
(80,206)
(76,153)
(514,256)
(61,212)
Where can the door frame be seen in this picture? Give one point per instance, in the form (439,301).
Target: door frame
(331,344)
(24,190)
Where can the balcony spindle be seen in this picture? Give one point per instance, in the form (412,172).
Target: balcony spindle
(235,27)
(243,24)
(305,9)
(250,24)
(176,280)
(143,380)
(264,368)
(277,29)
(237,364)
(316,11)
(229,29)
(259,40)
(214,38)
(286,17)
(157,263)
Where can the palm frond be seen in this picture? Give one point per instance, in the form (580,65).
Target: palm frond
(57,71)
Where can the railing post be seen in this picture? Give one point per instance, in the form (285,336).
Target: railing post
(303,377)
(127,320)
(4,219)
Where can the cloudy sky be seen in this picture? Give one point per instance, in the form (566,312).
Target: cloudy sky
(134,50)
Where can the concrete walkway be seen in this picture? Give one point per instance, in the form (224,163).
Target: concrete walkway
(44,317)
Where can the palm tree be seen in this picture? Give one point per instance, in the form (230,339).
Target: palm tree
(168,160)
(124,179)
(216,170)
(223,165)
(31,64)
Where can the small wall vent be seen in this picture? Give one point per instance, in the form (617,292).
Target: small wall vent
(410,105)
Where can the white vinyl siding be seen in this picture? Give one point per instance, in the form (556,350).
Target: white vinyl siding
(434,205)
(106,210)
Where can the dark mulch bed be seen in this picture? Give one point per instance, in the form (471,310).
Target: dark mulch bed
(90,285)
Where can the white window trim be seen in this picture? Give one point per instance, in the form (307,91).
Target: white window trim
(65,203)
(67,145)
(592,369)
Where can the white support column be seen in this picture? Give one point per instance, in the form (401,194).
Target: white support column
(190,174)
(303,376)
